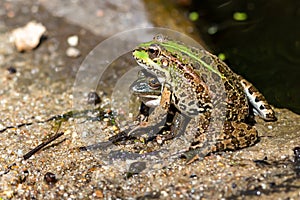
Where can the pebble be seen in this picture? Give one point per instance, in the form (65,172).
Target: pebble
(28,37)
(73,40)
(93,98)
(270,127)
(73,52)
(98,193)
(50,178)
(61,187)
(20,152)
(164,193)
(159,140)
(12,70)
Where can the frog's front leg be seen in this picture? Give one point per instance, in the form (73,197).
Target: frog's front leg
(177,125)
(234,135)
(157,119)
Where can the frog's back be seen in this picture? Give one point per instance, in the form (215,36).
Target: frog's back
(236,99)
(215,75)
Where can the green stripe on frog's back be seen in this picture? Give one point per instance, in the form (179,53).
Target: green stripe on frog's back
(191,52)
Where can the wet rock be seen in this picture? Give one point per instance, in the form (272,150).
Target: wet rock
(101,17)
(28,37)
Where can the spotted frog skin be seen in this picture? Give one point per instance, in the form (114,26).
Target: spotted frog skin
(204,90)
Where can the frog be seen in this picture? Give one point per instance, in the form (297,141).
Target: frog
(205,92)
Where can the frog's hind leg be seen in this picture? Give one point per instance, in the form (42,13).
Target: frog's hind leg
(235,135)
(260,105)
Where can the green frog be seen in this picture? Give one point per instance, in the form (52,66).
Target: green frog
(212,102)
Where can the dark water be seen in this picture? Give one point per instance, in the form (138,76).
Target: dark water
(264,48)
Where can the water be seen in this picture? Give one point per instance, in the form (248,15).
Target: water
(264,48)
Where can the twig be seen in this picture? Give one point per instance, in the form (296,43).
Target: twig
(43,144)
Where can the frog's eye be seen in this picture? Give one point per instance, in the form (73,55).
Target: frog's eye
(154,51)
(154,83)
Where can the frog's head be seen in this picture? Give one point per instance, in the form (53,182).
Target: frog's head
(153,56)
(163,55)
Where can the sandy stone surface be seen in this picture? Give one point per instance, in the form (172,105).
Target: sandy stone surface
(37,85)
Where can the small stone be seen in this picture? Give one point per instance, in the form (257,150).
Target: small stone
(50,178)
(98,193)
(233,185)
(61,187)
(270,127)
(19,152)
(73,52)
(28,37)
(93,98)
(11,70)
(159,140)
(115,128)
(73,40)
(164,193)
(193,176)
